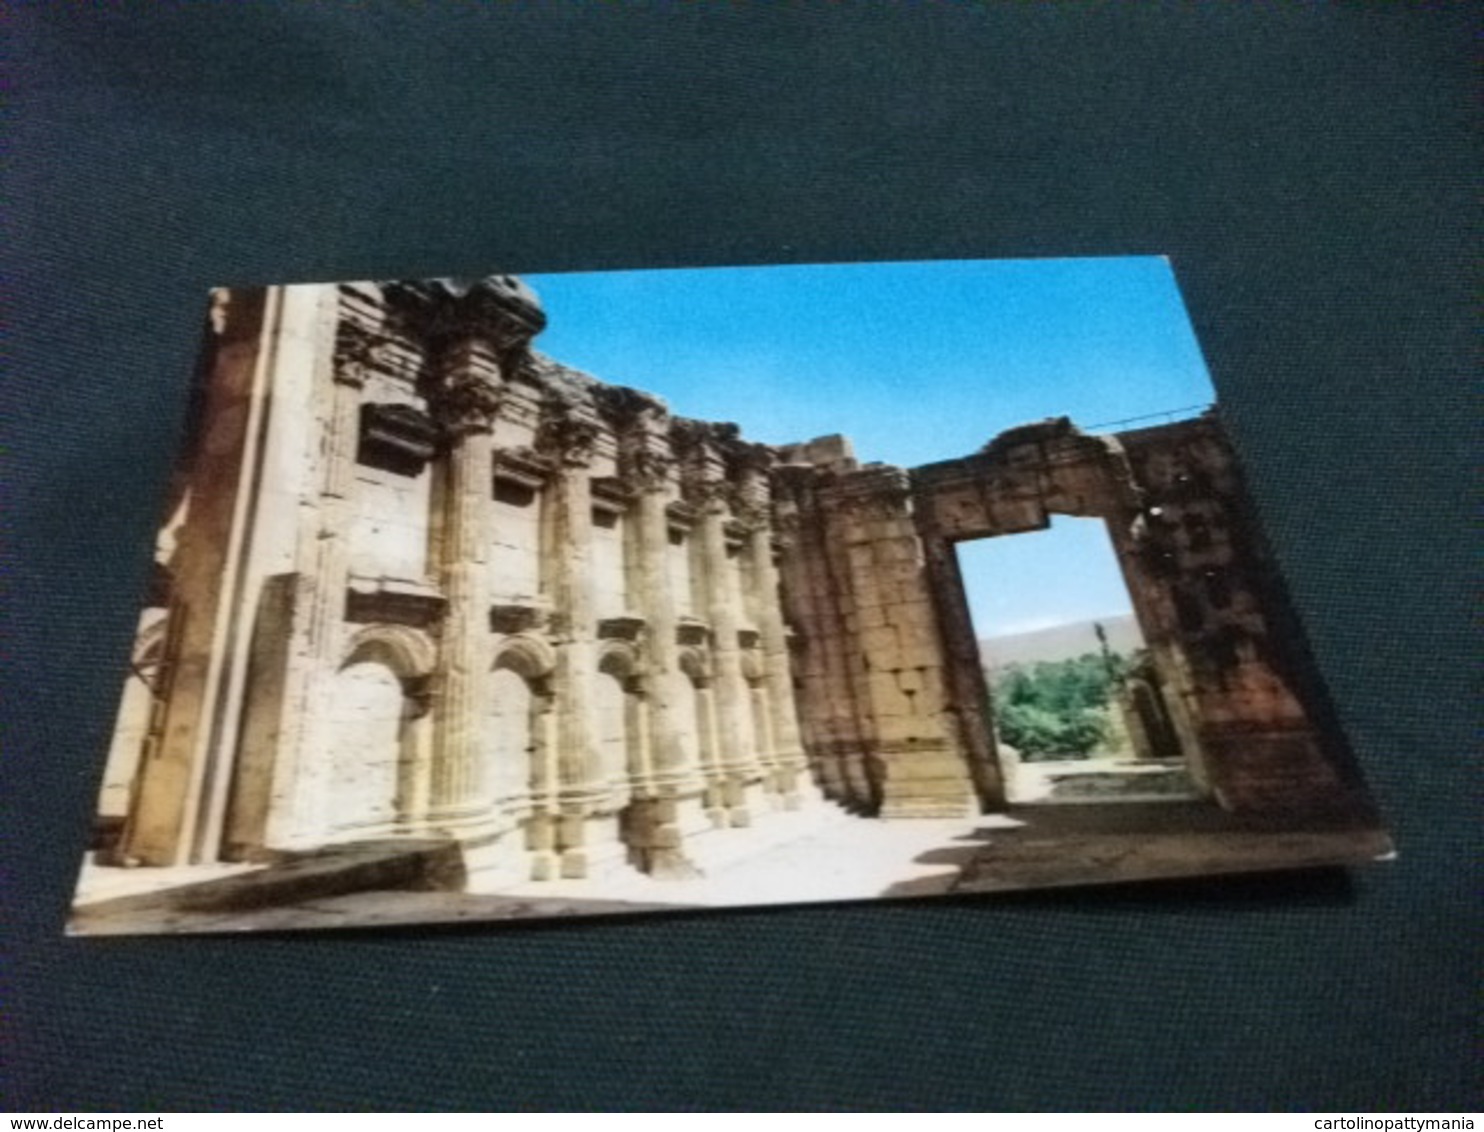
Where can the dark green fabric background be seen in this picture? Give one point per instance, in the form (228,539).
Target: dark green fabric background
(1312,171)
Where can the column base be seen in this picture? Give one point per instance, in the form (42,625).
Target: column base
(653,832)
(714,800)
(575,846)
(743,795)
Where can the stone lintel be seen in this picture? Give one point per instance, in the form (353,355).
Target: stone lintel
(393,601)
(680,516)
(833,452)
(610,494)
(692,631)
(518,616)
(396,438)
(523,467)
(625,628)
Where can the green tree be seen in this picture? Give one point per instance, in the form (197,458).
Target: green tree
(1057,709)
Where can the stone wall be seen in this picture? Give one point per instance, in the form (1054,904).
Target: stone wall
(872,666)
(1198,548)
(1222,658)
(418,578)
(429,580)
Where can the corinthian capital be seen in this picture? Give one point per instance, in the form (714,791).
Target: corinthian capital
(648,469)
(466,403)
(569,437)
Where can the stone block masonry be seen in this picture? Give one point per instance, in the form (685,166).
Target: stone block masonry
(420,581)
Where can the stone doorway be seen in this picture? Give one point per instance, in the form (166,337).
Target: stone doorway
(1074,702)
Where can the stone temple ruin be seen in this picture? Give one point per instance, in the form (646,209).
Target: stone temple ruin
(417,578)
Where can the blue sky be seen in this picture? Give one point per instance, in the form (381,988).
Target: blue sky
(1066,573)
(914,362)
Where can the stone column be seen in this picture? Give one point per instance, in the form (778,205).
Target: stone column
(580,787)
(739,763)
(670,762)
(650,823)
(466,405)
(472,332)
(788,761)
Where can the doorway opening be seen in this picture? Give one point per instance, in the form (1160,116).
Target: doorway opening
(1077,706)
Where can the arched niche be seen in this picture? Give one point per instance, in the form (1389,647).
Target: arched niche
(515,746)
(699,721)
(619,711)
(374,715)
(406,651)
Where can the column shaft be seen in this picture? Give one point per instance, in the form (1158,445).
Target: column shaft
(670,768)
(575,628)
(458,786)
(580,786)
(739,760)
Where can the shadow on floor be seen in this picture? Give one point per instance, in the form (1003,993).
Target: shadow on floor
(1111,844)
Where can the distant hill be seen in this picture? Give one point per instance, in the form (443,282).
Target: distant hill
(1061,642)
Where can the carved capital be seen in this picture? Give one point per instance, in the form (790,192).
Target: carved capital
(752,500)
(396,438)
(648,469)
(710,496)
(752,516)
(569,438)
(702,440)
(688,435)
(465,404)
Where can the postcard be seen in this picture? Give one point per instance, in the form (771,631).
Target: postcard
(520,597)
